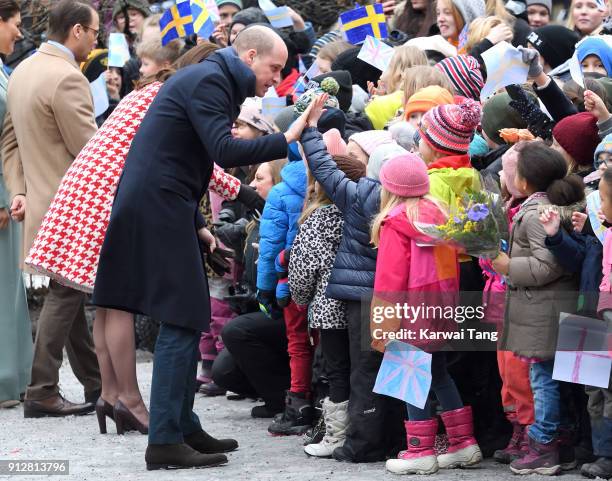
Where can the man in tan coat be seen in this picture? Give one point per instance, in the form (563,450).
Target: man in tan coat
(49,119)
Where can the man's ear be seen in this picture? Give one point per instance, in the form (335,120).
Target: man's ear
(249,56)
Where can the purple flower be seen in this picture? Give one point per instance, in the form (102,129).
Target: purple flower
(478,212)
(456,220)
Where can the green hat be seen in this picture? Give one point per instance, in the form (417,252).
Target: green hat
(236,3)
(140,5)
(497,114)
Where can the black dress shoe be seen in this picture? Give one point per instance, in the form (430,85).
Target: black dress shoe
(179,456)
(55,406)
(204,443)
(93,396)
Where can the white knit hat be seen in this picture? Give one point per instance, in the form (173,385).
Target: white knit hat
(470,9)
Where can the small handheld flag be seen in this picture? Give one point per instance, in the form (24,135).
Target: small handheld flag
(118,50)
(213,10)
(176,22)
(279,17)
(376,53)
(202,20)
(357,24)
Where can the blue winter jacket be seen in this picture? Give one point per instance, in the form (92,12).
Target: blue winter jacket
(279,221)
(352,277)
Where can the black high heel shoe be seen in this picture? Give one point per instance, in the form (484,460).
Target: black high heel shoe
(103,410)
(126,421)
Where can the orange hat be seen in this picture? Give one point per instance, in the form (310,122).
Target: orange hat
(427,98)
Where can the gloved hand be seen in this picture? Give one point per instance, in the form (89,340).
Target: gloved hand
(267,304)
(218,260)
(249,197)
(281,263)
(531,57)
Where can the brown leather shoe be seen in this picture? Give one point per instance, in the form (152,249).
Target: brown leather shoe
(55,406)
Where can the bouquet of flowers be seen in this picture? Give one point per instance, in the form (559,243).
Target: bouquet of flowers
(477,227)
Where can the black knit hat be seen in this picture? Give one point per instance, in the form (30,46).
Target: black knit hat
(555,43)
(140,5)
(360,71)
(332,119)
(345,94)
(249,16)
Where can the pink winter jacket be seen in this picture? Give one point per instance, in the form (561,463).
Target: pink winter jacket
(412,274)
(605,288)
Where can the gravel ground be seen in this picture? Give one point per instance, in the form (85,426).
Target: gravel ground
(261,457)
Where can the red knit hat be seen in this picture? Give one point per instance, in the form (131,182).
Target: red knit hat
(449,128)
(579,136)
(405,175)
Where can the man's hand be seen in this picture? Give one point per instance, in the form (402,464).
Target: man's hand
(295,130)
(208,239)
(4,218)
(18,208)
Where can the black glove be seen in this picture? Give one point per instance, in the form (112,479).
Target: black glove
(242,299)
(538,123)
(249,197)
(218,260)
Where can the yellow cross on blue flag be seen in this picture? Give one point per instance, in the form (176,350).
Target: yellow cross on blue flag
(363,21)
(202,21)
(176,22)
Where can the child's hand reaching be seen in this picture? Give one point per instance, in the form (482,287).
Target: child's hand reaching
(550,220)
(578,221)
(316,110)
(375,90)
(594,104)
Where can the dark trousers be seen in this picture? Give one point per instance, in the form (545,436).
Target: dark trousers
(259,360)
(62,324)
(443,387)
(173,386)
(335,350)
(376,422)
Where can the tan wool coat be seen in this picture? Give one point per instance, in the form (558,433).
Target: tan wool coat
(50,118)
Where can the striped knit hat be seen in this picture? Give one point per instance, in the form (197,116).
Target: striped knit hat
(464,73)
(449,128)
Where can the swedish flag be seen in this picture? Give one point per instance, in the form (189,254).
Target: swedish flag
(176,22)
(363,21)
(202,21)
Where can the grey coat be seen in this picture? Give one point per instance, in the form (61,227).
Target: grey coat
(538,289)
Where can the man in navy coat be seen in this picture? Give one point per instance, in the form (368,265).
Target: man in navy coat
(151,262)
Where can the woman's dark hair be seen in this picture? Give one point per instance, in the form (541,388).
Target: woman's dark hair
(416,23)
(190,57)
(545,170)
(8,8)
(65,15)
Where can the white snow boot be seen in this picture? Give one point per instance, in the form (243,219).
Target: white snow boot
(336,424)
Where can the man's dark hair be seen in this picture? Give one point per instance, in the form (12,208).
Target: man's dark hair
(8,9)
(65,15)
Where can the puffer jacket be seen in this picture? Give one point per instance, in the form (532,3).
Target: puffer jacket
(450,177)
(352,277)
(539,288)
(279,221)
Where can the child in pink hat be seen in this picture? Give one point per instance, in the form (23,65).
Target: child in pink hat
(362,144)
(412,273)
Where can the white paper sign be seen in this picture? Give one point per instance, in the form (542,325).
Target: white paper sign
(118,50)
(583,355)
(505,67)
(99,94)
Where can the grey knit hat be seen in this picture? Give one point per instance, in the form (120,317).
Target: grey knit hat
(545,3)
(470,9)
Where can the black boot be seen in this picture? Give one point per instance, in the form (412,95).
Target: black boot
(602,468)
(266,411)
(204,443)
(179,456)
(297,417)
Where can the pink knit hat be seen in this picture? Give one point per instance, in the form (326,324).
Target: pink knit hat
(449,128)
(334,142)
(508,172)
(405,175)
(370,139)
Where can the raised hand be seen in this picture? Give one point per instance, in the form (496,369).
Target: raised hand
(578,220)
(550,220)
(316,110)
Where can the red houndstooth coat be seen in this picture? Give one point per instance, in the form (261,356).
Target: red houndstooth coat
(67,246)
